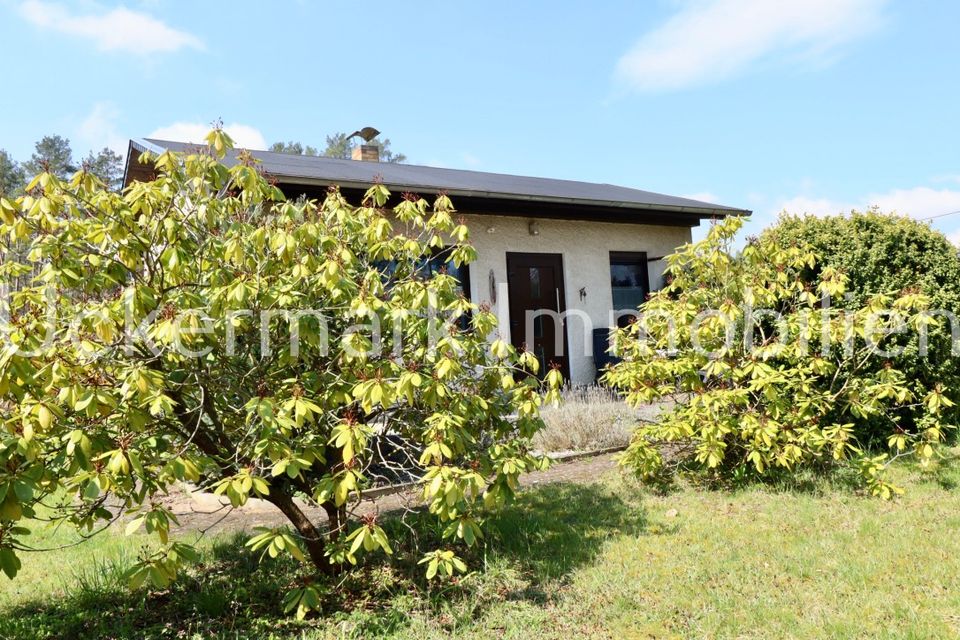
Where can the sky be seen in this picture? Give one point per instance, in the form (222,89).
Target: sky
(809,106)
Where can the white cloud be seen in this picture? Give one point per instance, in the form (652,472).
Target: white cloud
(243,135)
(916,202)
(703,196)
(119,29)
(99,129)
(816,206)
(470,160)
(919,202)
(709,40)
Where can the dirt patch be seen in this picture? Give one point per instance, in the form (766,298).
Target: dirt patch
(206,512)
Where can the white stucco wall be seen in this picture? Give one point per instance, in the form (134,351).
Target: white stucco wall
(585,247)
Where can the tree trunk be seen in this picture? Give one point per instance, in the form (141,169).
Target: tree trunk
(338,519)
(217,446)
(313,539)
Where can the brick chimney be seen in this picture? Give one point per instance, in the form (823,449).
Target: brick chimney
(366,153)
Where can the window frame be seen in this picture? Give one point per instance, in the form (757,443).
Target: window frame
(628,258)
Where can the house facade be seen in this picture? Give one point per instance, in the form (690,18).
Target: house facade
(559,262)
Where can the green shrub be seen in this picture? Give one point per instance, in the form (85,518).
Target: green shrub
(205,329)
(886,253)
(766,380)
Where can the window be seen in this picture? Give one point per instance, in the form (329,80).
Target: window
(437,262)
(440,261)
(434,264)
(535,283)
(629,283)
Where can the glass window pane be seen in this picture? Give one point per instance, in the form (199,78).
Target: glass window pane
(541,358)
(534,282)
(438,263)
(627,282)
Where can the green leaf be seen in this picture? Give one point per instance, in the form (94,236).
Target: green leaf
(9,562)
(133,525)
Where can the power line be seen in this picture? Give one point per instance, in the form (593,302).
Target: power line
(941,215)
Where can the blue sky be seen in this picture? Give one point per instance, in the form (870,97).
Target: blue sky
(809,105)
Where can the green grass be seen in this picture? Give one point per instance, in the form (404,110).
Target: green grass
(568,561)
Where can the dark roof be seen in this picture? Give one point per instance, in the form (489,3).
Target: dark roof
(314,170)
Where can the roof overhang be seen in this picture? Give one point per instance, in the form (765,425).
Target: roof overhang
(670,210)
(703,212)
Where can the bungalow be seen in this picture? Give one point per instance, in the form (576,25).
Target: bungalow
(559,261)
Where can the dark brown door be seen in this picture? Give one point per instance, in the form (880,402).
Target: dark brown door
(537,303)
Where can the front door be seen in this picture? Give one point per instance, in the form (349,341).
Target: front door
(537,303)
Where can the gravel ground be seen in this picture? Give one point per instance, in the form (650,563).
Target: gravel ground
(205,511)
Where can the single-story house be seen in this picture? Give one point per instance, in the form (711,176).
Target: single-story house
(586,251)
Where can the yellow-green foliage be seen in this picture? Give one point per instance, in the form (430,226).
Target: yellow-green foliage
(881,252)
(790,394)
(191,261)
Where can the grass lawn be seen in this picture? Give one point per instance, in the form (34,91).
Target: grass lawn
(603,560)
